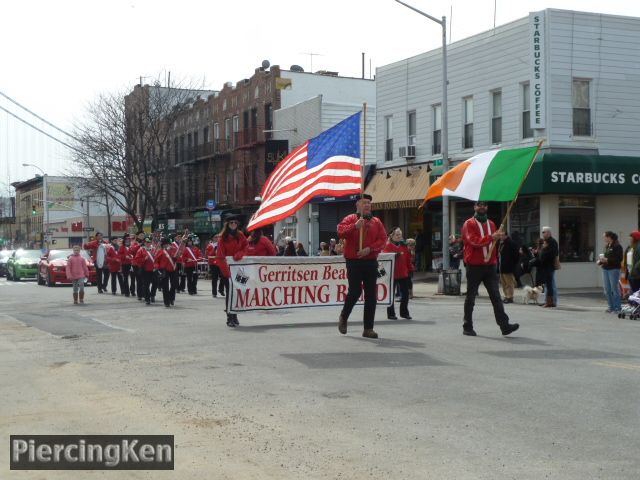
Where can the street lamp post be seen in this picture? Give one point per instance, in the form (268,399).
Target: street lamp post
(445,131)
(44,201)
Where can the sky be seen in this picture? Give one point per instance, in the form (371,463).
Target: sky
(59,55)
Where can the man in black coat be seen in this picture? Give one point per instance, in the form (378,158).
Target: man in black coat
(507,261)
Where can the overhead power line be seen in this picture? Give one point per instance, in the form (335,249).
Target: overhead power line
(40,130)
(37,116)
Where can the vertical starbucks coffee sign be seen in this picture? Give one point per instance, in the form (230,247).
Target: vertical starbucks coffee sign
(537,87)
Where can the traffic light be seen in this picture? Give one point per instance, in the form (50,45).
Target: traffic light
(33,209)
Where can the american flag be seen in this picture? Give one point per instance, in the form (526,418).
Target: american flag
(327,165)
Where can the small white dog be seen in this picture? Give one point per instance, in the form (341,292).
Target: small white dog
(531,294)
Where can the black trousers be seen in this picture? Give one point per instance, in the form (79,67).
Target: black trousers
(192,280)
(126,270)
(132,284)
(634,284)
(149,284)
(102,276)
(223,289)
(403,286)
(227,299)
(487,275)
(168,285)
(214,271)
(362,273)
(182,277)
(140,282)
(118,276)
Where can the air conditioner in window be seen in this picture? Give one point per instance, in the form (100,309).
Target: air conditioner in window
(408,152)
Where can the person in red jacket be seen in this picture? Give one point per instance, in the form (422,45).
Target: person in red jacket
(480,259)
(232,243)
(260,246)
(214,270)
(136,274)
(146,262)
(97,248)
(166,265)
(114,263)
(190,258)
(362,263)
(125,259)
(402,269)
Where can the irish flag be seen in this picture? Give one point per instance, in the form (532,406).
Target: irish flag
(491,176)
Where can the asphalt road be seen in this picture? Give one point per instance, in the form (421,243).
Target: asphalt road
(285,396)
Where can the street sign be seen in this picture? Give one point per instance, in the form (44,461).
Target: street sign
(88,229)
(211,204)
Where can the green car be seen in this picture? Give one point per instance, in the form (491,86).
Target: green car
(23,264)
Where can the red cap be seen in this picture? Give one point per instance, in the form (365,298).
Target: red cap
(635,235)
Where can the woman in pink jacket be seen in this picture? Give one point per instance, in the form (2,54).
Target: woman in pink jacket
(77,272)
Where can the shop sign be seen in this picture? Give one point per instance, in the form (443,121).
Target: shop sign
(584,174)
(537,88)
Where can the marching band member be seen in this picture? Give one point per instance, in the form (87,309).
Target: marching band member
(136,277)
(181,273)
(402,269)
(125,259)
(259,245)
(114,263)
(189,259)
(98,254)
(214,270)
(232,243)
(145,260)
(166,265)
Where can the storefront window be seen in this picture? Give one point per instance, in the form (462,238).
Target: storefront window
(524,224)
(577,236)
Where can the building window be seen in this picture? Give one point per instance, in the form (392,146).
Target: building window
(227,131)
(205,135)
(436,148)
(467,141)
(216,131)
(236,129)
(496,117)
(527,131)
(581,108)
(577,236)
(388,135)
(411,128)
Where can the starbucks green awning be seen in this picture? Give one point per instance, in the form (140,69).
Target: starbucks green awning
(583,174)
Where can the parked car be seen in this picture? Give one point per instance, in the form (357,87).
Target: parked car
(4,257)
(52,268)
(23,264)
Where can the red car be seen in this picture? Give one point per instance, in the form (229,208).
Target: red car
(53,265)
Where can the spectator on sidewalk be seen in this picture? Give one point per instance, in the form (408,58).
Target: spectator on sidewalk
(420,245)
(611,261)
(455,252)
(507,261)
(632,261)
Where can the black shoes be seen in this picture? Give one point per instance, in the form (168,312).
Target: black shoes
(391,317)
(369,333)
(507,300)
(342,324)
(470,332)
(406,316)
(509,328)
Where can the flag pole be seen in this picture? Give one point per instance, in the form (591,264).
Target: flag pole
(362,162)
(506,216)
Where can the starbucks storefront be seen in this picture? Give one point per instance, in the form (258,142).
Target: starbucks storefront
(579,197)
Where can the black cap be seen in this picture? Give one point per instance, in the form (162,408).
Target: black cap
(231,218)
(481,202)
(165,241)
(366,196)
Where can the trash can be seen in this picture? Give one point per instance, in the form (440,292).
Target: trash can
(451,282)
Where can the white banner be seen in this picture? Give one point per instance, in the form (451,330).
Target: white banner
(275,283)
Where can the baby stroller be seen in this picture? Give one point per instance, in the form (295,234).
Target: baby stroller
(632,308)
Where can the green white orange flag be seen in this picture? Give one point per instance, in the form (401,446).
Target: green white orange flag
(494,176)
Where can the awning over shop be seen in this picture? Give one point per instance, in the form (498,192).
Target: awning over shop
(399,190)
(583,174)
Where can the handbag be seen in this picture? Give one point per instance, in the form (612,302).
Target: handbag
(556,263)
